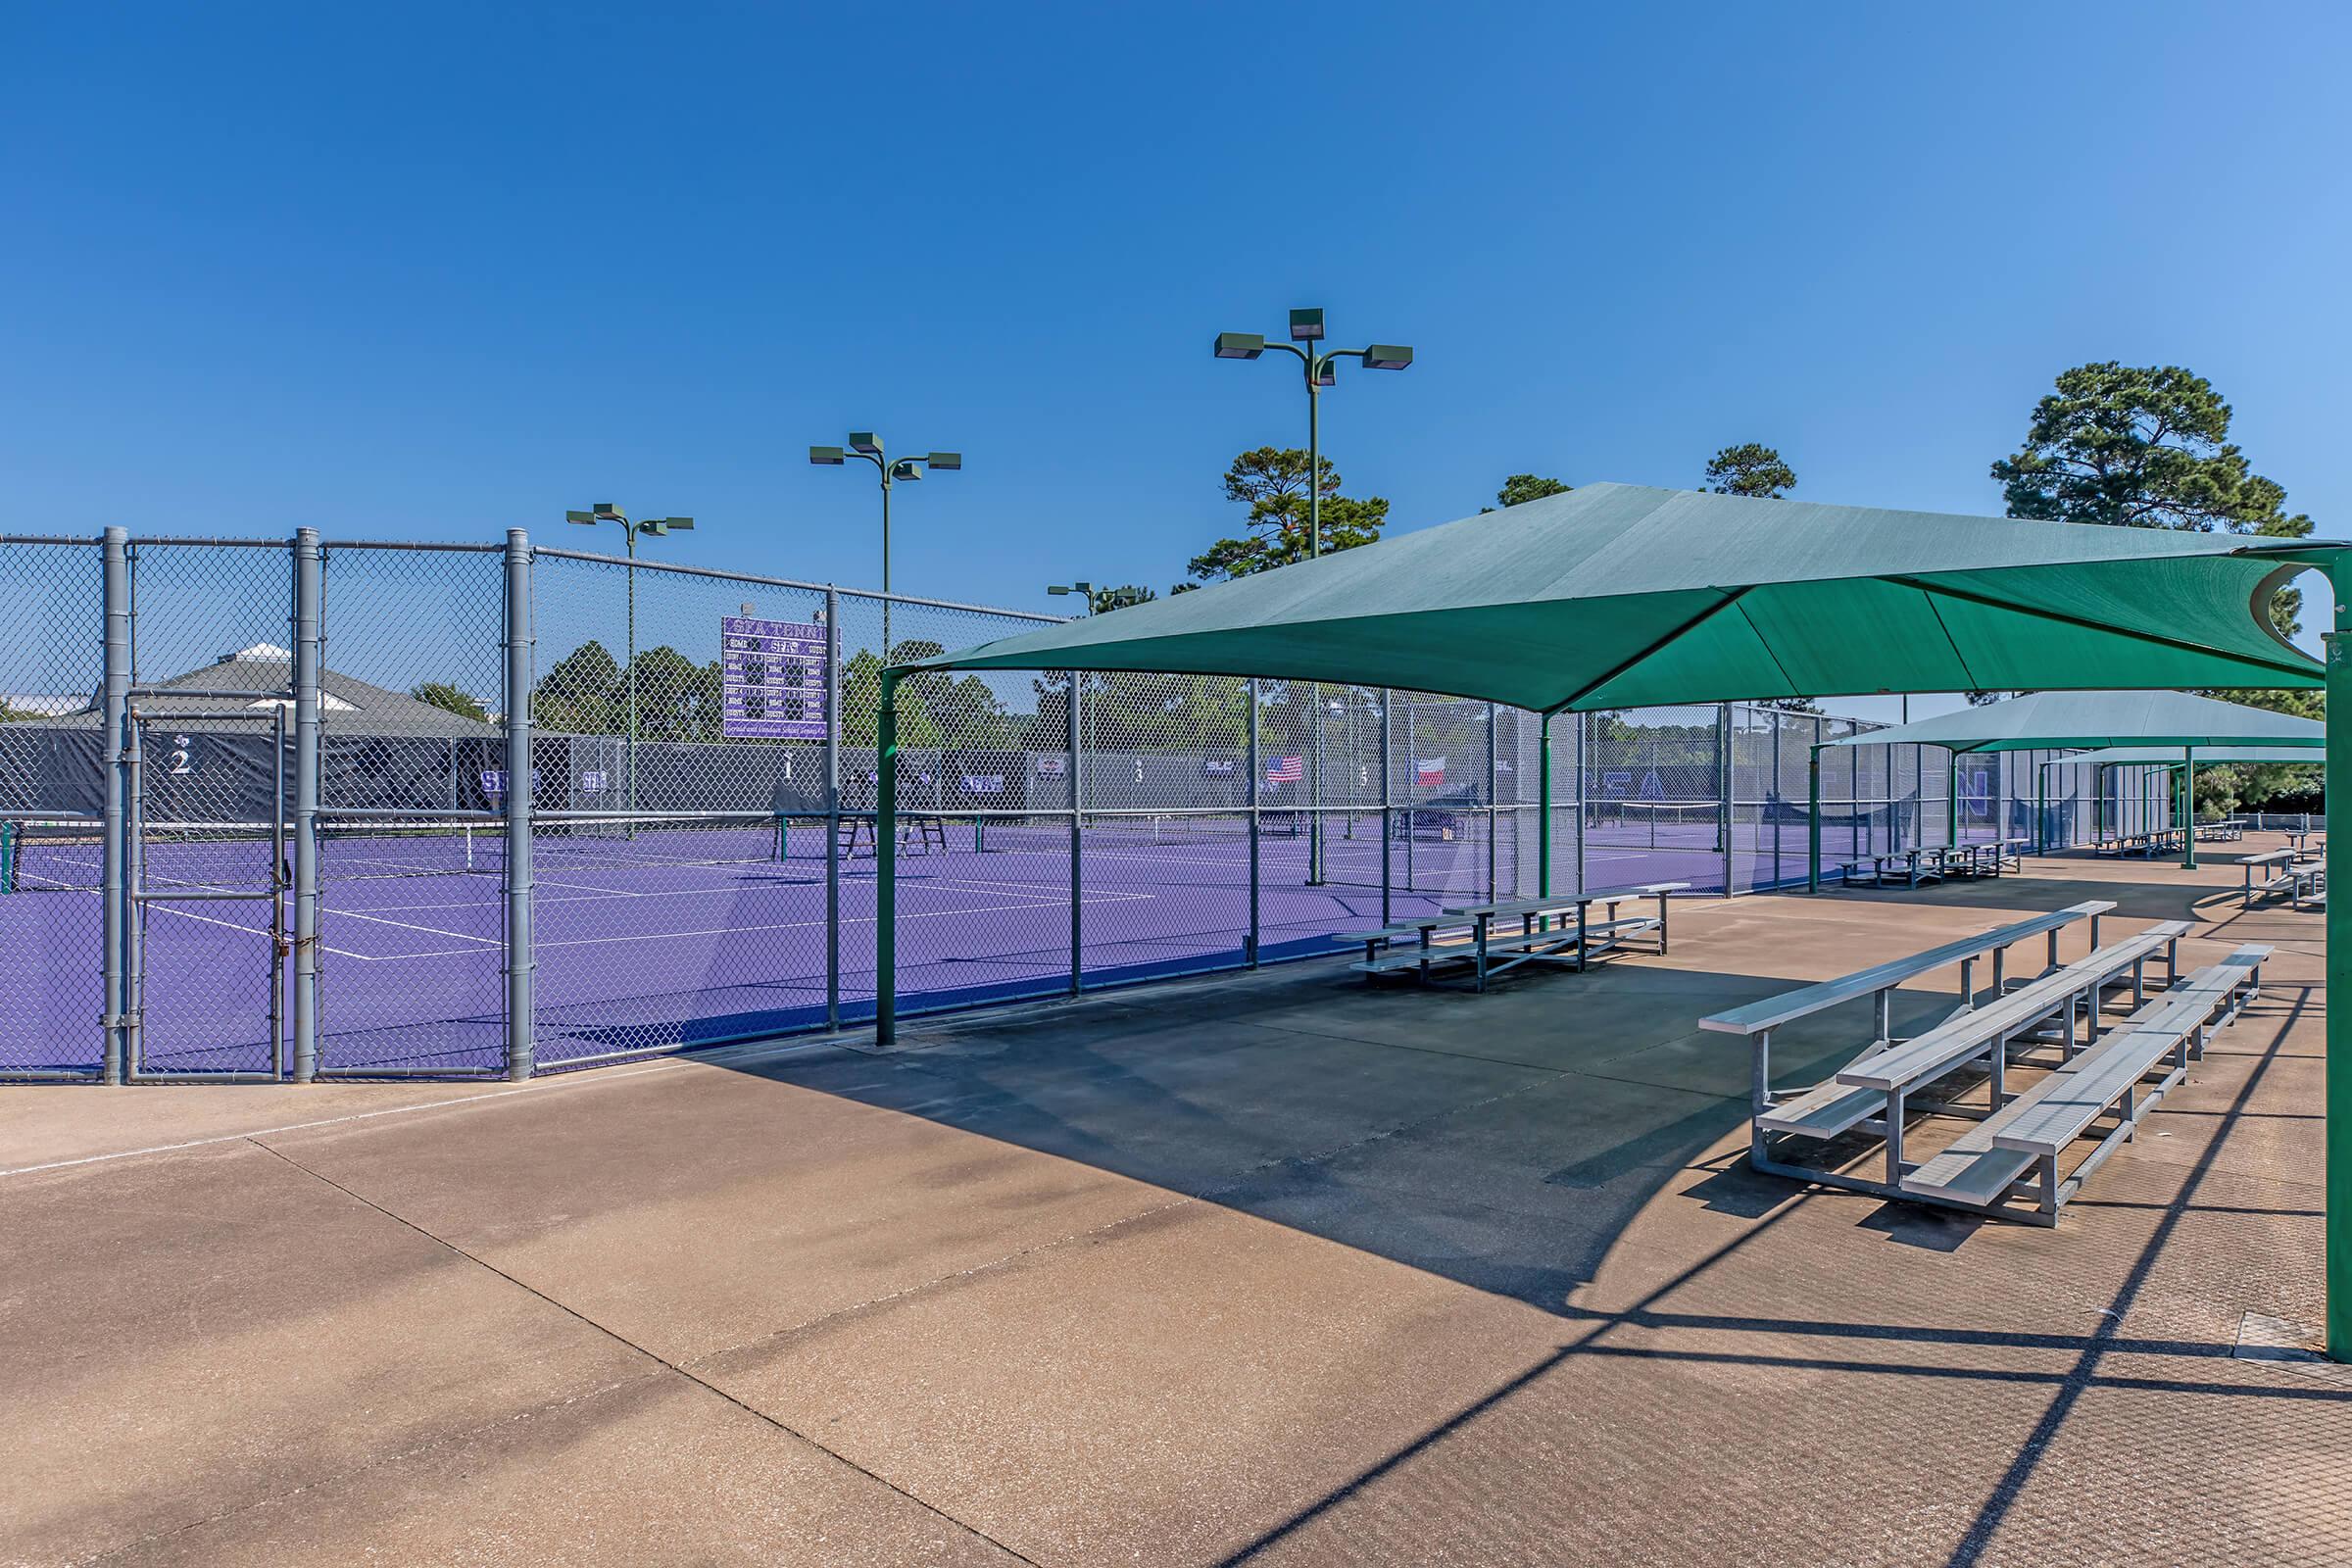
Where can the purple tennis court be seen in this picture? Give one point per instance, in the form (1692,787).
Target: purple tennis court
(687,932)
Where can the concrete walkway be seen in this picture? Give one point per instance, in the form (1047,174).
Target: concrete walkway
(1269,1269)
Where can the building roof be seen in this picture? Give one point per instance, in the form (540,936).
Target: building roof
(347,706)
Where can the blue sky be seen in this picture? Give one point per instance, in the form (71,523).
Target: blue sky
(437,272)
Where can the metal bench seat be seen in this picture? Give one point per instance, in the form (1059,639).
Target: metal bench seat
(1981,1166)
(1959,1039)
(1989,1030)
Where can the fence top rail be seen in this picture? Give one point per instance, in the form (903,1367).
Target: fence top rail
(791,582)
(413,544)
(220,542)
(87,541)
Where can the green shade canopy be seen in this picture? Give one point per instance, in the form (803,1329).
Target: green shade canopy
(1620,596)
(2071,719)
(2164,756)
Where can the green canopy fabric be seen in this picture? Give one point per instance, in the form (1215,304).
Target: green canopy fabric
(1620,596)
(2049,721)
(2162,757)
(1616,596)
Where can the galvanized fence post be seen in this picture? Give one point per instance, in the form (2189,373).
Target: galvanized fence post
(1494,806)
(1387,796)
(1544,806)
(309,628)
(520,780)
(1250,952)
(1723,781)
(833,808)
(1584,776)
(1077,827)
(114,877)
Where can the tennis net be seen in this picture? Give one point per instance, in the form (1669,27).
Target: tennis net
(67,855)
(1655,824)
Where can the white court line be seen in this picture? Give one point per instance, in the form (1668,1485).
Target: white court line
(409,925)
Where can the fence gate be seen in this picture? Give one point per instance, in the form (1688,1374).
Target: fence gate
(209,889)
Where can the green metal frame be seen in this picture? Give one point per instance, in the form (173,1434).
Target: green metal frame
(2339,933)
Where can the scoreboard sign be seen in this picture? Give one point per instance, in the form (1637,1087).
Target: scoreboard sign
(772,679)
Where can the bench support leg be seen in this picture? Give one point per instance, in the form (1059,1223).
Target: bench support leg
(1894,1137)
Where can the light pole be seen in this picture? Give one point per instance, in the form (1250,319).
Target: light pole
(1319,365)
(606,511)
(867,445)
(1097,600)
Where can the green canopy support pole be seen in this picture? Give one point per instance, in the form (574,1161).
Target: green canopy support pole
(2188,808)
(2337,784)
(1952,800)
(886,861)
(1544,809)
(1813,822)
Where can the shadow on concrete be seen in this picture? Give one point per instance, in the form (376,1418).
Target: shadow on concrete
(2069,1385)
(1503,1141)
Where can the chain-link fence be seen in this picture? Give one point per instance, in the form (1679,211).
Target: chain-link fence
(264,809)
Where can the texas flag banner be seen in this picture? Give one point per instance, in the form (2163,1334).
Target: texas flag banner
(1429,771)
(1285,771)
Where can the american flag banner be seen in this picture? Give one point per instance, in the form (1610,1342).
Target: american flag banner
(1285,771)
(1429,771)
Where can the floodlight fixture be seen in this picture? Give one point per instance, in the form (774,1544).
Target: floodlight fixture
(864,444)
(907,468)
(944,461)
(1318,363)
(827,456)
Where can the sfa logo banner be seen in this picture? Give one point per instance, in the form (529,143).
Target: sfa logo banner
(771,679)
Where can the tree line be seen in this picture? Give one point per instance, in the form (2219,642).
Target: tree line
(2111,445)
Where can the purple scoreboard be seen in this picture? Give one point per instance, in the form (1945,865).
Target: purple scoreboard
(772,679)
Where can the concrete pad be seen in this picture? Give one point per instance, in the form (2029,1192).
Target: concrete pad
(1191,1111)
(654,1472)
(1722,1454)
(1155,1393)
(189,1332)
(2111,1481)
(716,1207)
(1275,1265)
(47,1124)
